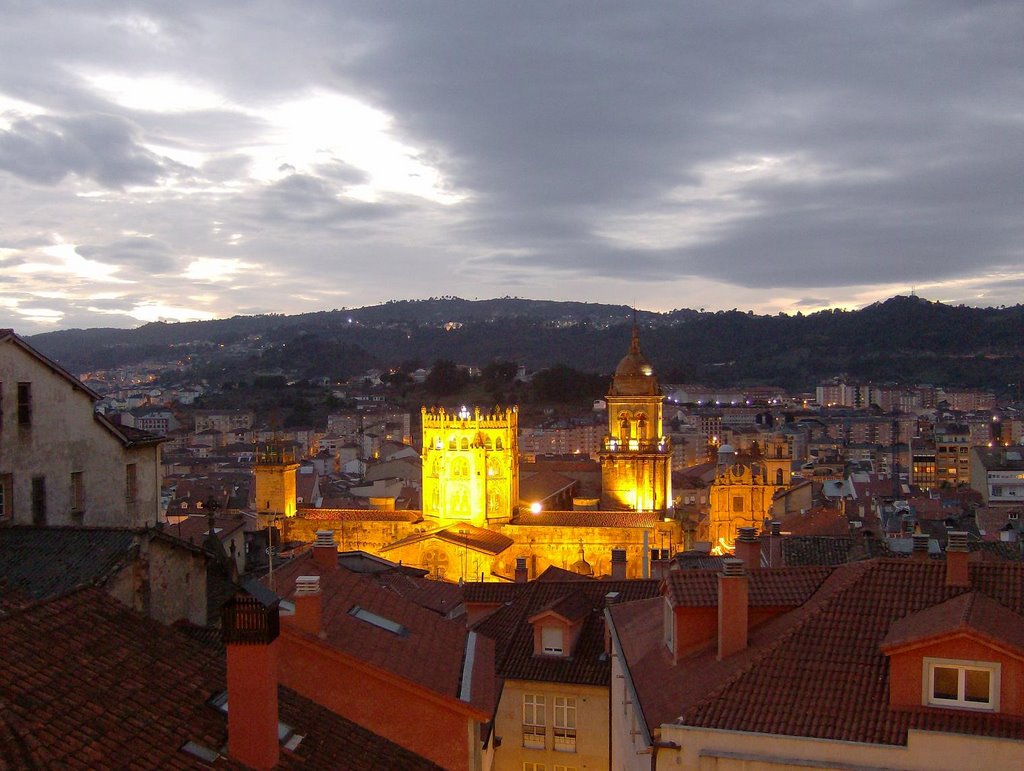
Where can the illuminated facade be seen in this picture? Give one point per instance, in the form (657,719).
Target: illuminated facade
(741,496)
(470,466)
(636,456)
(274,470)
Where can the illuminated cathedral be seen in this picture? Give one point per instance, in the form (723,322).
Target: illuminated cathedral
(471,526)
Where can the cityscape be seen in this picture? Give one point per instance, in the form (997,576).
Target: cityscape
(524,387)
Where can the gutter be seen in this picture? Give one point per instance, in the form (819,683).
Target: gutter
(617,646)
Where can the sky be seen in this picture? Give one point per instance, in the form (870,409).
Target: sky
(192,160)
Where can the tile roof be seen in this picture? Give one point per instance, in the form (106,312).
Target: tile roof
(42,562)
(967,612)
(816,671)
(543,485)
(509,627)
(472,537)
(360,515)
(430,655)
(769,587)
(111,689)
(644,519)
(830,550)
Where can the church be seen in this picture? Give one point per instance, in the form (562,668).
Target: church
(471,526)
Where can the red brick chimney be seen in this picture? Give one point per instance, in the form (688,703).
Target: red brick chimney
(748,548)
(308,606)
(325,553)
(250,631)
(733,600)
(618,564)
(660,563)
(920,546)
(775,544)
(956,559)
(522,573)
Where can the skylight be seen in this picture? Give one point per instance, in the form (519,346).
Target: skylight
(378,621)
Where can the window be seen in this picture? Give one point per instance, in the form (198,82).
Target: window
(6,497)
(528,766)
(24,404)
(77,493)
(737,503)
(967,685)
(533,721)
(564,768)
(565,724)
(551,640)
(131,490)
(38,500)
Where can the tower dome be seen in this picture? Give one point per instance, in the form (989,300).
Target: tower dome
(634,376)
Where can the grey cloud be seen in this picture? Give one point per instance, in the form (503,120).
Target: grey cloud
(145,254)
(101,147)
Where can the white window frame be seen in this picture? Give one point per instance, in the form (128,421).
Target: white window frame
(529,765)
(928,683)
(534,721)
(547,641)
(564,723)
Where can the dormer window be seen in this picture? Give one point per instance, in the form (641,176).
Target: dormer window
(961,684)
(553,640)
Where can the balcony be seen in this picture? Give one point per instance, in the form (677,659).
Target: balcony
(533,737)
(565,740)
(635,445)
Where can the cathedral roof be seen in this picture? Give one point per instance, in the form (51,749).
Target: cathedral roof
(634,376)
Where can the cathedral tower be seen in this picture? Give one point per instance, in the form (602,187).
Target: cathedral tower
(470,465)
(636,456)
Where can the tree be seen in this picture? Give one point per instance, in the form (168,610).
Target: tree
(445,378)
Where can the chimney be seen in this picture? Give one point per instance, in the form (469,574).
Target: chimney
(775,544)
(659,563)
(733,596)
(522,573)
(956,559)
(920,547)
(748,548)
(308,606)
(250,631)
(618,564)
(325,553)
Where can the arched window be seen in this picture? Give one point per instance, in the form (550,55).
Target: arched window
(465,443)
(488,444)
(624,427)
(460,468)
(641,426)
(451,443)
(497,444)
(778,476)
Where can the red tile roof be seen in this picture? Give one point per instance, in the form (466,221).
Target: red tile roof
(430,655)
(816,671)
(769,587)
(111,689)
(512,632)
(644,519)
(971,612)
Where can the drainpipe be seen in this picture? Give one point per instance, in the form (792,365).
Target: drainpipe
(660,745)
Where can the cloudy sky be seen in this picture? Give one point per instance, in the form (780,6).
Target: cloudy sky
(189,160)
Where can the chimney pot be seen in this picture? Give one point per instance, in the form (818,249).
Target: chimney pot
(618,564)
(522,574)
(325,552)
(733,608)
(748,547)
(957,572)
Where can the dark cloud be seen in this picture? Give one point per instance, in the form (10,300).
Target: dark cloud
(100,147)
(147,255)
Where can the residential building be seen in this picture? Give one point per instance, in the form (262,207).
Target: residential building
(61,463)
(885,663)
(998,474)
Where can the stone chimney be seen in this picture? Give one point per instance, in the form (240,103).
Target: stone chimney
(250,631)
(748,548)
(325,552)
(660,562)
(733,601)
(920,546)
(308,605)
(618,564)
(522,573)
(956,559)
(775,544)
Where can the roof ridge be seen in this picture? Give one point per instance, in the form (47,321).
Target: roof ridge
(813,607)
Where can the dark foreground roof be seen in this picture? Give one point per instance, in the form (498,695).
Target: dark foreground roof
(110,689)
(38,563)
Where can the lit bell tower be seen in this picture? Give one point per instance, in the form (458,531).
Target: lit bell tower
(274,470)
(636,456)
